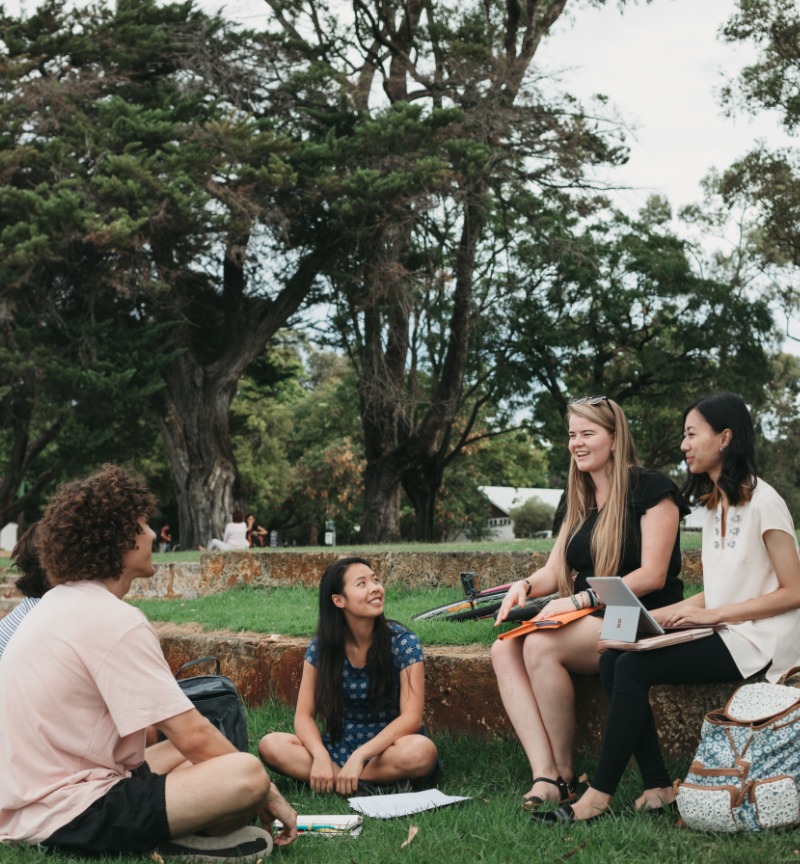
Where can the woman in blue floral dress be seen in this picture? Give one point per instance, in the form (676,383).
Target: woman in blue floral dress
(363,677)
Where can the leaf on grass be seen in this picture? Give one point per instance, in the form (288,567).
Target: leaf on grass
(412,833)
(574,850)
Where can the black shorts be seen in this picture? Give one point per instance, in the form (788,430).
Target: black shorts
(130,817)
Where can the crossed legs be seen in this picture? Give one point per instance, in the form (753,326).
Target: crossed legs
(534,679)
(409,758)
(213,797)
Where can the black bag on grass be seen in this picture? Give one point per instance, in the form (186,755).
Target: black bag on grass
(216,697)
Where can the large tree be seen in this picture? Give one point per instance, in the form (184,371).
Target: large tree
(152,124)
(427,115)
(769,180)
(615,307)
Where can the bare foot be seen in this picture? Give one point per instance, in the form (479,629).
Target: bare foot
(655,799)
(592,803)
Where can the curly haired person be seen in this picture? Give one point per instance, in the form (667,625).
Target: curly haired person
(80,682)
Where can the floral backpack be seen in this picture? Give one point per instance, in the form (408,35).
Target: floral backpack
(746,771)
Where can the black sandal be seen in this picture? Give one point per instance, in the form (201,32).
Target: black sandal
(567,792)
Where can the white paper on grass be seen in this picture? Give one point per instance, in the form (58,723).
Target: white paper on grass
(403,803)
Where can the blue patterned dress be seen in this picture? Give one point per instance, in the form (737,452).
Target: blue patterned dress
(358,723)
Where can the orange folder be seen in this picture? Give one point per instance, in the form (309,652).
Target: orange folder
(551,623)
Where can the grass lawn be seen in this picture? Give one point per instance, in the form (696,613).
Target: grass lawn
(292,611)
(491,827)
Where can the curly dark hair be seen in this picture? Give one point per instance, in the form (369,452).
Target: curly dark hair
(90,524)
(33,580)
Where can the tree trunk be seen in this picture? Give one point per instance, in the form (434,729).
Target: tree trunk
(194,427)
(381,501)
(193,409)
(422,487)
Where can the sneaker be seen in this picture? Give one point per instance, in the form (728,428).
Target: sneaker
(244,844)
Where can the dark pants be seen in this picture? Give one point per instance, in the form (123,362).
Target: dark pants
(630,729)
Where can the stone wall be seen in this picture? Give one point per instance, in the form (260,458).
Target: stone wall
(217,572)
(460,688)
(461,691)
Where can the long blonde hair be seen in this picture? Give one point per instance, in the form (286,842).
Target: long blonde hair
(609,532)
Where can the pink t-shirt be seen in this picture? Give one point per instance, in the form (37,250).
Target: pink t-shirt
(80,681)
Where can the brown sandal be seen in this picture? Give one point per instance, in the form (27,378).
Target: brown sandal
(567,792)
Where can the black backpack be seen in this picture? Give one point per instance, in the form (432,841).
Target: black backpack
(216,698)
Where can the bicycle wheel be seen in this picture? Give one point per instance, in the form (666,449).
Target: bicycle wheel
(475,611)
(470,606)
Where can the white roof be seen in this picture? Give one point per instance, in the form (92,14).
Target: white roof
(505,498)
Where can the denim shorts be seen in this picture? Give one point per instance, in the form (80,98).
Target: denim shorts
(130,817)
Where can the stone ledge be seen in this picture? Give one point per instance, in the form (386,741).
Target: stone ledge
(216,572)
(460,687)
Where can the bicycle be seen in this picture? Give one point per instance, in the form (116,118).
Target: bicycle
(478,604)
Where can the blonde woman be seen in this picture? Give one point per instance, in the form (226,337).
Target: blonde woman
(621,520)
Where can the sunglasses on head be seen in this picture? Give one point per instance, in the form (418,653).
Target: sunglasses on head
(589,400)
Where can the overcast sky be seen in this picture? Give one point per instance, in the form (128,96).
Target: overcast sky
(662,65)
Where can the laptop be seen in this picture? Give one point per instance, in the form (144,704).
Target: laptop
(625,619)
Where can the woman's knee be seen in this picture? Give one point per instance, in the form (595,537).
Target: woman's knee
(628,673)
(271,746)
(418,756)
(504,655)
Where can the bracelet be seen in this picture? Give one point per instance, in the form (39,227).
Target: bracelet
(528,587)
(574,598)
(593,597)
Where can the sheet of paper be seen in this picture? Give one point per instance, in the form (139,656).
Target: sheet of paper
(402,804)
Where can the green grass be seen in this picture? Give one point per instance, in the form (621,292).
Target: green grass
(491,827)
(292,611)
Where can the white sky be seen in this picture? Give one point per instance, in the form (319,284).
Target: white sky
(661,65)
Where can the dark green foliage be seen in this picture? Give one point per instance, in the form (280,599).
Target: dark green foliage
(773,80)
(614,308)
(531,517)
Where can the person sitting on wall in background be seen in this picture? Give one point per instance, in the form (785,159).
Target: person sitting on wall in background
(165,538)
(256,534)
(620,519)
(32,584)
(80,682)
(751,584)
(235,536)
(365,677)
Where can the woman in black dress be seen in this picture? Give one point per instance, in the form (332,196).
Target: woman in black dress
(621,520)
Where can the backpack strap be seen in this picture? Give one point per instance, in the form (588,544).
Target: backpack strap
(787,675)
(203,660)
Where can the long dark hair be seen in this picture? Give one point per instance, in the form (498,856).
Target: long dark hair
(330,635)
(33,580)
(737,479)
